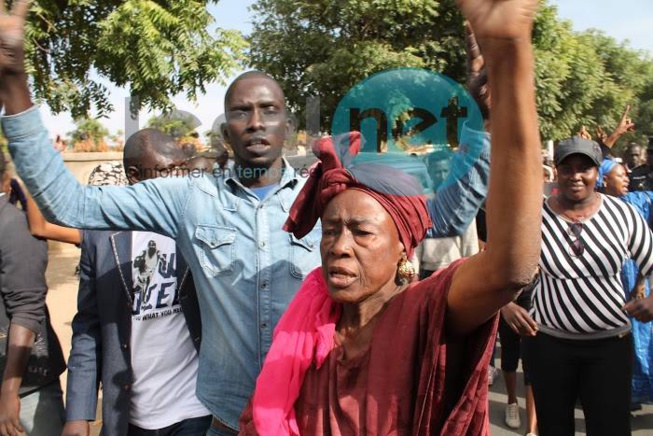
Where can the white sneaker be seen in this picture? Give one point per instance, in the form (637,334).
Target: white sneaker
(512,416)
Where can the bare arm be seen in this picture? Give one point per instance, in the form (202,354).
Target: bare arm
(489,280)
(41,228)
(21,340)
(625,125)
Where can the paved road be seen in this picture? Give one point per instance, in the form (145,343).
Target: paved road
(62,300)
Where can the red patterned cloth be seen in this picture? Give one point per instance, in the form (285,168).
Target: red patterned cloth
(399,193)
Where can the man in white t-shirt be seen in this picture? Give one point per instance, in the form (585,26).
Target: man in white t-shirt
(137,329)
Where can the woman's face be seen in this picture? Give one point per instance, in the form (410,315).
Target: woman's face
(577,176)
(360,247)
(616,181)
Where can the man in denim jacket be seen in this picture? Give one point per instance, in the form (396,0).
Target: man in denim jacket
(228,225)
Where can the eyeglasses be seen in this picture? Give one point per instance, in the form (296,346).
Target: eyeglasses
(577,247)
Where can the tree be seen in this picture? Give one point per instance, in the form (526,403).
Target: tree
(178,124)
(157,48)
(3,143)
(322,48)
(89,135)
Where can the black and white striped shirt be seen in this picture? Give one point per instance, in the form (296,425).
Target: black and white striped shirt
(583,294)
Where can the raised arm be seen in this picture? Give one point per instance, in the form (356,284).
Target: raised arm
(41,228)
(454,206)
(151,205)
(489,280)
(456,203)
(625,125)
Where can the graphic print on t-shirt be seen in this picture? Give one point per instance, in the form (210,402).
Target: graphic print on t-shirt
(155,291)
(164,364)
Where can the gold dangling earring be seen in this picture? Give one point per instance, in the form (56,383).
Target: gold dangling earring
(405,269)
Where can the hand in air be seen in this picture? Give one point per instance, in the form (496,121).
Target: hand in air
(477,82)
(500,19)
(12,36)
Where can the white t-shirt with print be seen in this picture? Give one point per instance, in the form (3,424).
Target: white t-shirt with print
(164,360)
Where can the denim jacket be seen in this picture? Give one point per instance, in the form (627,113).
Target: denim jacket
(246,269)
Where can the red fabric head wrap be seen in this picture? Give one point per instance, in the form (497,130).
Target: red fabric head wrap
(399,193)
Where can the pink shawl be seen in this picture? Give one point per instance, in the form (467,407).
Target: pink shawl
(304,335)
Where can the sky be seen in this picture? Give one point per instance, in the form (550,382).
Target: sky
(624,20)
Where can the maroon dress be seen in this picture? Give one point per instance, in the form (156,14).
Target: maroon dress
(401,385)
(397,387)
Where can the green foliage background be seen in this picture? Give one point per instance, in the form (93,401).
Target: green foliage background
(323,47)
(156,48)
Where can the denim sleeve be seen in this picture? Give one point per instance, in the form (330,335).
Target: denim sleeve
(85,358)
(456,203)
(154,205)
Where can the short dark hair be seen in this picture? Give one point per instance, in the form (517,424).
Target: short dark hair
(144,141)
(251,75)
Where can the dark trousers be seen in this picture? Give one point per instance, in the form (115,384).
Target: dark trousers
(596,371)
(187,427)
(511,350)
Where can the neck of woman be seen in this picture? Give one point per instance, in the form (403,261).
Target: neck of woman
(355,328)
(577,210)
(355,316)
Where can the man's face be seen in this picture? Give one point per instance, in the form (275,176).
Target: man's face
(439,171)
(633,157)
(649,157)
(169,164)
(257,123)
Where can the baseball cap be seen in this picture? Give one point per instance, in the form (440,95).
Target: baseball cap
(578,145)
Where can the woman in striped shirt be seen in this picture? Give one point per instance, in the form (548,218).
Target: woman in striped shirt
(583,348)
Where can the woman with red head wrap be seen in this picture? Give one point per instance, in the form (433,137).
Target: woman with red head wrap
(362,349)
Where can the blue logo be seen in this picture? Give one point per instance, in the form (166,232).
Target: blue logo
(409,112)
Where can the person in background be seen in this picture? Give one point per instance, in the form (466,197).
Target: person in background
(141,343)
(641,178)
(614,182)
(583,345)
(433,254)
(514,323)
(633,156)
(31,359)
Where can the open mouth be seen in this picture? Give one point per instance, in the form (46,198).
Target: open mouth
(340,277)
(258,145)
(258,141)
